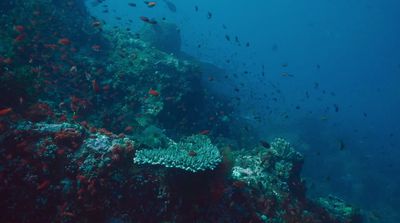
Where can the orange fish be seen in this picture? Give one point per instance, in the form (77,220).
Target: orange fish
(204,132)
(64,41)
(5,111)
(95,86)
(19,28)
(43,185)
(19,38)
(128,129)
(154,92)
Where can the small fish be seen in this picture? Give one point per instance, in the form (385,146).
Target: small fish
(64,41)
(150,4)
(19,28)
(204,132)
(341,145)
(196,8)
(73,69)
(209,15)
(147,20)
(128,129)
(153,92)
(19,38)
(96,48)
(285,74)
(96,24)
(43,185)
(192,153)
(132,4)
(5,111)
(95,86)
(265,144)
(336,107)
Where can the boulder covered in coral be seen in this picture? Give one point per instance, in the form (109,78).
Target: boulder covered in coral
(194,154)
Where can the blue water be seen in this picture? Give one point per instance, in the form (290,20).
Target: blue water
(324,74)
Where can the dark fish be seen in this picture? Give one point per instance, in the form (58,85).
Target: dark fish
(209,15)
(132,4)
(196,8)
(147,20)
(227,38)
(336,107)
(265,144)
(341,145)
(171,6)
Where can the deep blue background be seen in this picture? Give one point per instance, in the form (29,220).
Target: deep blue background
(349,48)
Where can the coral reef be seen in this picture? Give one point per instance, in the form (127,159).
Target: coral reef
(195,153)
(86,105)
